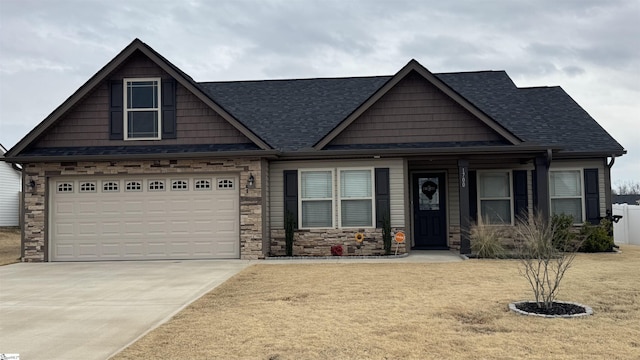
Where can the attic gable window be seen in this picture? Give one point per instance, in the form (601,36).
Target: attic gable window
(142,109)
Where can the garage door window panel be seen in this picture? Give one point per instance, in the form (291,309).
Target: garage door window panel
(179,185)
(110,186)
(64,187)
(89,186)
(226,184)
(133,186)
(202,184)
(155,185)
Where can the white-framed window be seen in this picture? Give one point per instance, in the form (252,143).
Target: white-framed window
(495,197)
(566,193)
(226,184)
(111,186)
(133,186)
(88,186)
(355,198)
(142,104)
(202,184)
(155,185)
(179,185)
(64,187)
(315,206)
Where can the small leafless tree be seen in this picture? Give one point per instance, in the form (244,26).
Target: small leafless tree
(544,257)
(627,188)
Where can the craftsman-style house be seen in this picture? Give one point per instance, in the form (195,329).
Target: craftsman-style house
(143,162)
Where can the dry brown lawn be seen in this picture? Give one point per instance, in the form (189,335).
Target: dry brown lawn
(9,245)
(404,311)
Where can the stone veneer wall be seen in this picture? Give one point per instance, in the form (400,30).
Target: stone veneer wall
(35,241)
(318,242)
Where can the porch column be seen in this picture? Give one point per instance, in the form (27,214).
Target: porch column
(463,189)
(541,204)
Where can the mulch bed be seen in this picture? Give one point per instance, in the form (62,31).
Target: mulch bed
(556,308)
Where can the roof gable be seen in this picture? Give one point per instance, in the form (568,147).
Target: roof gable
(415,111)
(106,71)
(414,66)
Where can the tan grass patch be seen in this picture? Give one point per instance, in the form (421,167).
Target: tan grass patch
(9,245)
(403,310)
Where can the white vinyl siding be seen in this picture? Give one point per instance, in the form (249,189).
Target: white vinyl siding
(9,195)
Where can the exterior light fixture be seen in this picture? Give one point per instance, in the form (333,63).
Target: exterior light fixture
(251,182)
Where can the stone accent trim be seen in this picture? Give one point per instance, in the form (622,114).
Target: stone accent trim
(35,238)
(318,242)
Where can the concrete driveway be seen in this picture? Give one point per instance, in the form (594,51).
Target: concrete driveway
(92,310)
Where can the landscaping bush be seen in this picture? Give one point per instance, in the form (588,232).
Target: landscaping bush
(563,230)
(544,257)
(596,238)
(486,241)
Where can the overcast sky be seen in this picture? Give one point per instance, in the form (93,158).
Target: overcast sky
(591,48)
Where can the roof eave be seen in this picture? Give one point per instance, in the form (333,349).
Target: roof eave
(268,154)
(442,151)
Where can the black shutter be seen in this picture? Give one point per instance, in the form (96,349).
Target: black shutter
(520,203)
(383,199)
(591,195)
(291,194)
(534,185)
(115,110)
(169,109)
(473,196)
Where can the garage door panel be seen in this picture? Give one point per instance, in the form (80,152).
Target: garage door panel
(121,220)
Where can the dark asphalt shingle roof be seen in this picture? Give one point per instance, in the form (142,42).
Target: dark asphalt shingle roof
(293,115)
(543,115)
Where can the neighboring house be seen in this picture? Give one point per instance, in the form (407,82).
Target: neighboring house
(626,199)
(10,183)
(142,162)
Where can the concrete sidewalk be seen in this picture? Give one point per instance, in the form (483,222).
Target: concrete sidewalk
(91,310)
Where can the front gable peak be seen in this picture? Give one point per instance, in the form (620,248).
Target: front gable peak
(167,71)
(435,93)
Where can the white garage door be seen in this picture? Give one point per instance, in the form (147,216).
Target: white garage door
(144,218)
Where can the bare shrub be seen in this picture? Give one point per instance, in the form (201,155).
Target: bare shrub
(544,257)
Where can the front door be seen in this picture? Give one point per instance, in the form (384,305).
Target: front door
(429,211)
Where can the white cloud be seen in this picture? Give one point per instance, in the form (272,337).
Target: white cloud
(589,47)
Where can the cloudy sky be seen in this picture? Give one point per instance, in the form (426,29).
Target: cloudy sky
(591,48)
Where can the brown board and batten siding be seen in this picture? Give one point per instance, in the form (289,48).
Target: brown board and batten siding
(415,111)
(396,184)
(87,124)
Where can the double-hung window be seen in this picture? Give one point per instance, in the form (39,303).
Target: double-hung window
(142,109)
(494,197)
(316,198)
(356,198)
(565,190)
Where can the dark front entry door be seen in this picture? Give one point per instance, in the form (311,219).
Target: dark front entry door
(429,211)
